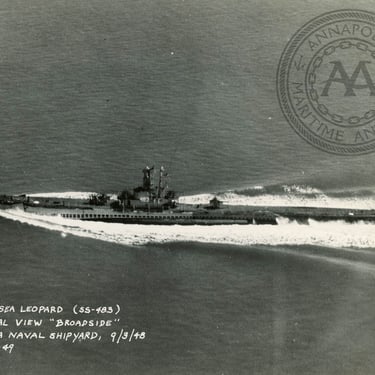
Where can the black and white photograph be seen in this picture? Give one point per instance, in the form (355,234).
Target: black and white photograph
(187,187)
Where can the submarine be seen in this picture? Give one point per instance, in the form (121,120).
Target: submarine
(154,203)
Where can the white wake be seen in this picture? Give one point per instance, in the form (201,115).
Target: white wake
(320,200)
(328,234)
(295,195)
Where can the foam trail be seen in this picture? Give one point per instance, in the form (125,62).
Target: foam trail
(292,195)
(295,200)
(64,195)
(328,234)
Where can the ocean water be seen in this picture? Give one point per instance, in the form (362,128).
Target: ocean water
(91,92)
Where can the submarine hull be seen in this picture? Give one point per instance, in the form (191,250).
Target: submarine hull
(153,204)
(196,215)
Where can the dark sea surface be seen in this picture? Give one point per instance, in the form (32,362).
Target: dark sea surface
(90,93)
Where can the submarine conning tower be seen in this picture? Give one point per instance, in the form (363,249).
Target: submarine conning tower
(150,195)
(155,192)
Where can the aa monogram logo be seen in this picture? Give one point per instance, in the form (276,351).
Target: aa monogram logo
(349,83)
(325,82)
